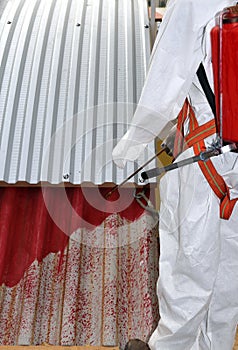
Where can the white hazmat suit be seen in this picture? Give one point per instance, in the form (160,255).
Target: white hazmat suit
(198,283)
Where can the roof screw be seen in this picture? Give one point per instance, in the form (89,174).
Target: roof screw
(146,26)
(78,25)
(66,176)
(9,22)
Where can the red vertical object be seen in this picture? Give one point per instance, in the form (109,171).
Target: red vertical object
(225,66)
(215,63)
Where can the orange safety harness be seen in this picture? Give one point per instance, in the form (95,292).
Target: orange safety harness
(195,139)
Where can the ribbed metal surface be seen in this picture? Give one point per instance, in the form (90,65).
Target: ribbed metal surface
(71,72)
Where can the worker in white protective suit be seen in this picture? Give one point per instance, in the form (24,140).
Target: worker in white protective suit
(198,280)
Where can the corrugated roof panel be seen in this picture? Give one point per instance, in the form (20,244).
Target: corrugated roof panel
(71,74)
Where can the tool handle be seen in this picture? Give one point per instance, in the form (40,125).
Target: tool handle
(203,156)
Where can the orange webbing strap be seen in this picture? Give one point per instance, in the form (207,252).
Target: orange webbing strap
(214,179)
(197,133)
(200,133)
(179,137)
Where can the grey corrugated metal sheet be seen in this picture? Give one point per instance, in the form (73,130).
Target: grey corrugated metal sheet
(71,72)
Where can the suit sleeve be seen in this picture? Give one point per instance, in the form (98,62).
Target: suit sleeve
(176,56)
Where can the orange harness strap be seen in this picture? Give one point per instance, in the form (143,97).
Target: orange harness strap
(196,139)
(200,133)
(179,137)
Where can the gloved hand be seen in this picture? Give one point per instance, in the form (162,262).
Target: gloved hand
(168,142)
(126,150)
